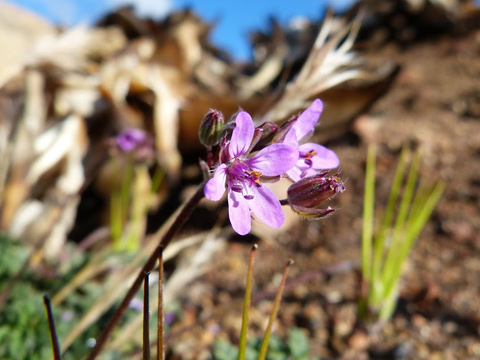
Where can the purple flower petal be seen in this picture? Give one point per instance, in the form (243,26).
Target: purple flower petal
(274,160)
(266,207)
(130,139)
(294,173)
(239,213)
(324,158)
(215,187)
(242,135)
(291,138)
(308,119)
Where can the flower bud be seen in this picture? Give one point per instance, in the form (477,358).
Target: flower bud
(306,194)
(212,128)
(284,129)
(312,214)
(269,130)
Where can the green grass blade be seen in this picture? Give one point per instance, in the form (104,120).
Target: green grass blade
(381,236)
(414,227)
(420,218)
(388,277)
(394,192)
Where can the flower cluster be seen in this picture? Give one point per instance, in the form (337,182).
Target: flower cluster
(249,156)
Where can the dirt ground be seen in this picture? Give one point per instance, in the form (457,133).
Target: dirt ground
(433,104)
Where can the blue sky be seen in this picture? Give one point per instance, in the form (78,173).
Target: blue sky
(235,18)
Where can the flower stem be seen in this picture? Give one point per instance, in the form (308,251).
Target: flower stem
(242,346)
(184,214)
(284,202)
(146,318)
(161,325)
(368,215)
(266,338)
(53,332)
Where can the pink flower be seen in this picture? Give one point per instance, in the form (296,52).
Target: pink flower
(131,139)
(241,177)
(311,157)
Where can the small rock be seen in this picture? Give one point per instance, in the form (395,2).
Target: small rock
(359,340)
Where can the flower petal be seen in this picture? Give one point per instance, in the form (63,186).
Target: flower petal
(273,160)
(215,187)
(324,158)
(266,207)
(308,119)
(294,174)
(239,213)
(291,138)
(242,135)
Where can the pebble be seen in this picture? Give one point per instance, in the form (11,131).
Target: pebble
(359,341)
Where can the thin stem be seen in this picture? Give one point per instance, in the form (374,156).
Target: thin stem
(368,214)
(161,317)
(284,202)
(146,318)
(184,214)
(266,338)
(53,331)
(242,346)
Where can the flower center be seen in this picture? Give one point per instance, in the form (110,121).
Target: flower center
(241,177)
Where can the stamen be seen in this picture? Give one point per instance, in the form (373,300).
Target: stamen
(237,188)
(254,176)
(309,162)
(248,197)
(310,154)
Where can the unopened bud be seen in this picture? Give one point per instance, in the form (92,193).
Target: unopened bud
(307,194)
(312,214)
(212,128)
(281,133)
(269,130)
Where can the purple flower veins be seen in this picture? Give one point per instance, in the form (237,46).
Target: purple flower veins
(241,177)
(311,156)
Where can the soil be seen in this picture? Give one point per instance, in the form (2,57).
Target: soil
(433,104)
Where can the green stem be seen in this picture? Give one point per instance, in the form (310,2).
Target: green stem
(242,347)
(368,214)
(266,338)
